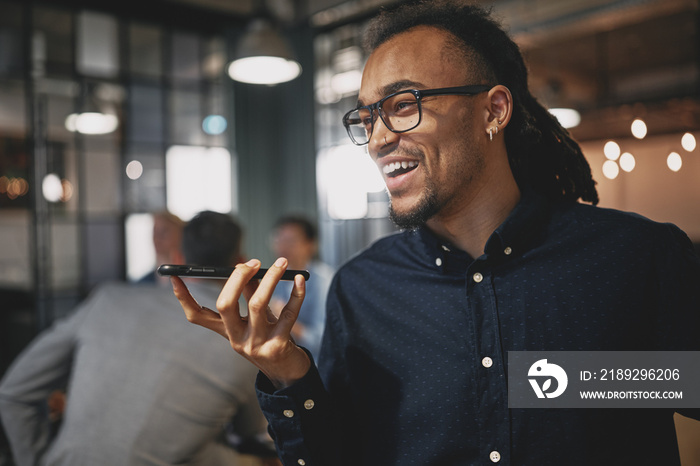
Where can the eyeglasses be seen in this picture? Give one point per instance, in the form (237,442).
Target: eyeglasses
(400,111)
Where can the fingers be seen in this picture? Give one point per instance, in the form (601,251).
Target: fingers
(227,303)
(258,303)
(195,313)
(290,312)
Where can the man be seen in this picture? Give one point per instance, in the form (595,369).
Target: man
(142,388)
(296,239)
(497,256)
(167,239)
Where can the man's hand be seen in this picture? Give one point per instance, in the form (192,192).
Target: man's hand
(259,337)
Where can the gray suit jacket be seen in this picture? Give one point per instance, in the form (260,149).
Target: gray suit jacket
(144,386)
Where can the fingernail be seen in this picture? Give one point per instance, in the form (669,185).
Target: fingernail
(280,262)
(252,263)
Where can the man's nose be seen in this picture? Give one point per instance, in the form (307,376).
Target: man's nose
(381,137)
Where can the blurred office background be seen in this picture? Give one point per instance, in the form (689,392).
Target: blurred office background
(179,134)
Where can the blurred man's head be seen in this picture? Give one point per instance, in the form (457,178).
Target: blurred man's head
(295,238)
(167,236)
(212,238)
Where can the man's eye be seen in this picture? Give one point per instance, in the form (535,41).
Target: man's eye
(405,106)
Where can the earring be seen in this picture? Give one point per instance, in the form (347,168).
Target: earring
(500,122)
(490,134)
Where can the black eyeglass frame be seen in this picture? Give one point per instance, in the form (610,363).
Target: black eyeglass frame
(418,94)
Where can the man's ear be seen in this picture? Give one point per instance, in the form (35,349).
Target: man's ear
(499,109)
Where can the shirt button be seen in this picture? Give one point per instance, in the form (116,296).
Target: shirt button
(478,277)
(438,262)
(507,251)
(495,457)
(487,362)
(288,413)
(301,462)
(309,404)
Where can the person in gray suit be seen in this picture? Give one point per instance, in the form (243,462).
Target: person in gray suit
(142,388)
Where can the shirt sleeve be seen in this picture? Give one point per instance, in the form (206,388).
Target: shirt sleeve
(301,420)
(41,368)
(678,320)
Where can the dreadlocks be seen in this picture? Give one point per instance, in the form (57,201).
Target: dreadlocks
(542,154)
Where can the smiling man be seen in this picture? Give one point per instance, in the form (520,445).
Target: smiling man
(497,255)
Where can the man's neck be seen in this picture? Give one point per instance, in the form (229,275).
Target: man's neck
(471,225)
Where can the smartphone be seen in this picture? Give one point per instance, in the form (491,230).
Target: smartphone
(203,271)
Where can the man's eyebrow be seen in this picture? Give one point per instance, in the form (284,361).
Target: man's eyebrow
(395,87)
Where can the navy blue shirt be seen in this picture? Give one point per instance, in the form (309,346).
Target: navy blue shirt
(414,355)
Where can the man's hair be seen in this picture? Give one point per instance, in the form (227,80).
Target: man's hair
(542,154)
(211,238)
(306,226)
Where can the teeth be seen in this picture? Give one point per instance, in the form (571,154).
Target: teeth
(393,166)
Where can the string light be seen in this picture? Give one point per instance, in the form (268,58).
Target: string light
(611,150)
(611,169)
(688,142)
(674,161)
(627,162)
(639,129)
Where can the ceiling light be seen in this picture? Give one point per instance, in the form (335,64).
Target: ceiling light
(611,150)
(51,187)
(610,169)
(639,129)
(568,117)
(627,162)
(92,119)
(263,56)
(674,161)
(91,123)
(688,142)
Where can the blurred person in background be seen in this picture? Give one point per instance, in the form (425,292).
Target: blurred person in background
(141,387)
(296,238)
(167,238)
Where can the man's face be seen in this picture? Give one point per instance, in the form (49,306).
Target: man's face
(290,241)
(441,158)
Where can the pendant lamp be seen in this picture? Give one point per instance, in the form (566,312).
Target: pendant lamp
(263,56)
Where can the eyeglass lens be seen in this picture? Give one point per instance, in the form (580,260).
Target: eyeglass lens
(399,112)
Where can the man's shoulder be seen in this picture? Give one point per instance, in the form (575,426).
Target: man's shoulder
(124,291)
(636,227)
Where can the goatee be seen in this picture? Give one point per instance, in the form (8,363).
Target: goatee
(424,211)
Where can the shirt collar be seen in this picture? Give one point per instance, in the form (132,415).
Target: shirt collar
(524,225)
(526,222)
